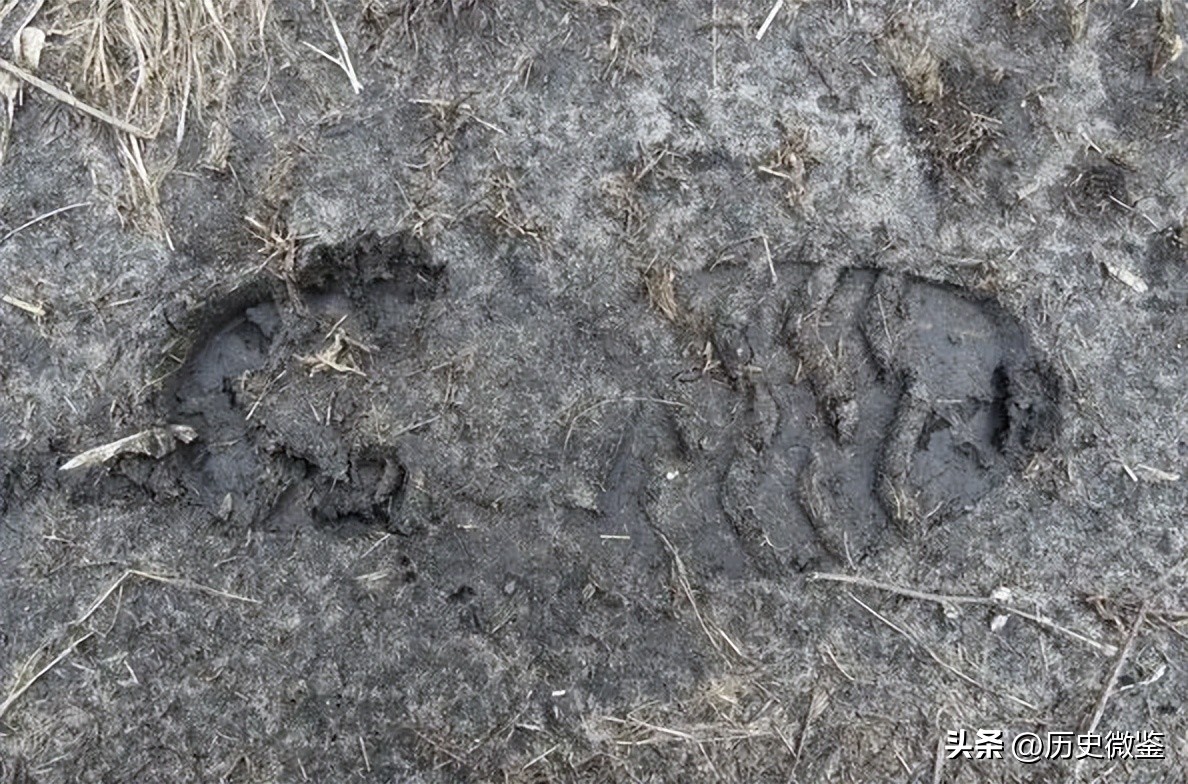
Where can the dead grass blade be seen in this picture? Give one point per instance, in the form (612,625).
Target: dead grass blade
(61,95)
(40,218)
(154,442)
(917,642)
(343,60)
(25,684)
(19,691)
(953,600)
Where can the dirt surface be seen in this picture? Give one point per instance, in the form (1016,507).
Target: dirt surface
(601,393)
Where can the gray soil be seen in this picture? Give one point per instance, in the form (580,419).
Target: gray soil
(606,340)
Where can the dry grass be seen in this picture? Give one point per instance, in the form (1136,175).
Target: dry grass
(505,208)
(1098,185)
(623,202)
(406,16)
(29,673)
(152,61)
(447,118)
(1077,12)
(267,222)
(790,162)
(943,98)
(1168,43)
(157,65)
(660,281)
(918,68)
(627,44)
(656,166)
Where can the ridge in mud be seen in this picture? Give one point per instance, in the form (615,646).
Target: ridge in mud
(921,398)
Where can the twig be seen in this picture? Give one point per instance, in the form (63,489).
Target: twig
(540,757)
(938,761)
(36,311)
(949,599)
(775,9)
(774,173)
(675,735)
(356,85)
(714,45)
(817,704)
(264,393)
(194,586)
(770,261)
(683,580)
(70,100)
(936,658)
(363,748)
(1099,709)
(155,442)
(707,626)
(16,694)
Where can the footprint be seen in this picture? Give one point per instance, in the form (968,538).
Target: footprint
(851,407)
(370,498)
(909,401)
(831,408)
(209,393)
(254,467)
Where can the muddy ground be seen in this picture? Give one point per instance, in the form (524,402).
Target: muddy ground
(545,388)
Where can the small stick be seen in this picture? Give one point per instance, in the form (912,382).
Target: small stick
(16,695)
(363,748)
(256,403)
(95,605)
(714,45)
(40,218)
(195,586)
(1158,475)
(70,100)
(774,173)
(489,126)
(369,550)
(337,324)
(37,311)
(682,577)
(770,262)
(1091,727)
(883,315)
(154,442)
(944,599)
(653,727)
(837,664)
(343,62)
(775,9)
(683,580)
(944,664)
(540,758)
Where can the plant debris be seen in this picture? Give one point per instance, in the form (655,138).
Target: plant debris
(155,442)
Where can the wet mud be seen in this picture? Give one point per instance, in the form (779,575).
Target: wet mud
(874,406)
